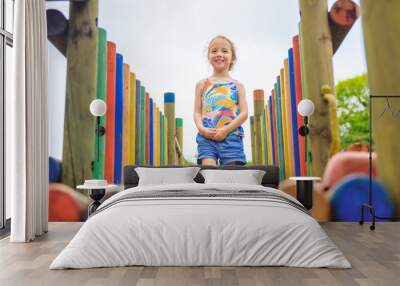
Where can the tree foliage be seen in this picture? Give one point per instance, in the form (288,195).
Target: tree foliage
(352,95)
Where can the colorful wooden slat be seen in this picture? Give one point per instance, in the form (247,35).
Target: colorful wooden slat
(252,140)
(142,125)
(126,117)
(110,114)
(151,132)
(169,110)
(299,97)
(162,147)
(165,143)
(137,123)
(157,135)
(147,129)
(258,100)
(119,119)
(269,131)
(264,138)
(99,148)
(289,118)
(279,129)
(284,124)
(179,136)
(273,129)
(295,126)
(132,119)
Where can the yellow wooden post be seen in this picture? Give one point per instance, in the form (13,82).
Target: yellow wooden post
(132,119)
(284,123)
(126,117)
(289,118)
(381,26)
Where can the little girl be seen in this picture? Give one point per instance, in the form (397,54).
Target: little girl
(220,109)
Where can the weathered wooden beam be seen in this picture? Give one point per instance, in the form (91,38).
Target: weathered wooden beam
(258,101)
(316,49)
(79,124)
(57,29)
(169,110)
(342,16)
(381,26)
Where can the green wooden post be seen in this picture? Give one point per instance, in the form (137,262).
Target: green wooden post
(258,99)
(79,125)
(98,165)
(381,25)
(179,136)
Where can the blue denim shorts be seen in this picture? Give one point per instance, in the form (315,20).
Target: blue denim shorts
(226,151)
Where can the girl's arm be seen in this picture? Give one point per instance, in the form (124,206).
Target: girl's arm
(224,131)
(206,132)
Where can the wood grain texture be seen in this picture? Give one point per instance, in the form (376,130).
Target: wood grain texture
(381,26)
(375,257)
(316,51)
(79,124)
(258,101)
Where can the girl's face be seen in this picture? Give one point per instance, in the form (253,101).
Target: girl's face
(220,54)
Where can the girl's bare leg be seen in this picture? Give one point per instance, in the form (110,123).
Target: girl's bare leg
(208,162)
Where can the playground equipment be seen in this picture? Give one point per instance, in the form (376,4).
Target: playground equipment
(137,131)
(307,73)
(274,134)
(347,196)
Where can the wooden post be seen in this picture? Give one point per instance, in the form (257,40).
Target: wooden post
(318,71)
(119,118)
(110,113)
(258,111)
(79,124)
(127,117)
(285,135)
(142,125)
(253,152)
(289,116)
(381,25)
(99,147)
(169,109)
(166,152)
(132,119)
(179,136)
(157,130)
(137,123)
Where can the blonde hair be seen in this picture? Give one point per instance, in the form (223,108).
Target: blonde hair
(233,49)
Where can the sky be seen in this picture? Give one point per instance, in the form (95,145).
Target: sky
(165,43)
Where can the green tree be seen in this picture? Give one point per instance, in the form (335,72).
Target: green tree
(352,95)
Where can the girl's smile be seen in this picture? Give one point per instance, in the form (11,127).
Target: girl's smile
(220,55)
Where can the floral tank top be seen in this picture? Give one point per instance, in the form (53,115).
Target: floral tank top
(220,105)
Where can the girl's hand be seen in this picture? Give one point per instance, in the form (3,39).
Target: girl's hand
(208,133)
(221,134)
